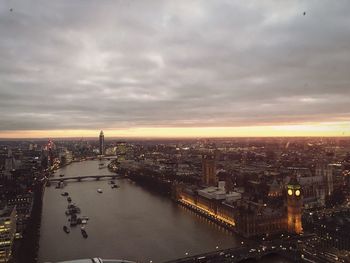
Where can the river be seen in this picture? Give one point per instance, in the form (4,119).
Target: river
(124,223)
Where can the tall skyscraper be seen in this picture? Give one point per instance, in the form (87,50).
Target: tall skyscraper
(209,169)
(102,143)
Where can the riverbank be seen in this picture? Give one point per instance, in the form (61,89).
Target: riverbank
(121,219)
(213,218)
(26,249)
(164,187)
(152,183)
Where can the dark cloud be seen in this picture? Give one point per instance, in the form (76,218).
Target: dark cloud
(117,64)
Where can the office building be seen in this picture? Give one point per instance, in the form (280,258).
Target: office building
(7,232)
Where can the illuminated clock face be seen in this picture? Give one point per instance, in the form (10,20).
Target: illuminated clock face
(290,191)
(297,192)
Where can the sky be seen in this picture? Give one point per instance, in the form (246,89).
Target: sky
(174,68)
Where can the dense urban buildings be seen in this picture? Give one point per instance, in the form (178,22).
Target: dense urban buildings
(7,232)
(258,188)
(174,131)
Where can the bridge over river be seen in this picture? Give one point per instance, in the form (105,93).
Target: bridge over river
(85,177)
(287,249)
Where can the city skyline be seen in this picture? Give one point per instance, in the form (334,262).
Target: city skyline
(175,131)
(174,69)
(311,130)
(272,197)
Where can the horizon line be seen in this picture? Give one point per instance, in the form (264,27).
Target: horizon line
(174,138)
(325,129)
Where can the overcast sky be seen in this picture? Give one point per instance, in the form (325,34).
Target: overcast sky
(116,64)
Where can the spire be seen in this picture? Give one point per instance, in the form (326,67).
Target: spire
(293,181)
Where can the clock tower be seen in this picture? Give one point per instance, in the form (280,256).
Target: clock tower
(294,206)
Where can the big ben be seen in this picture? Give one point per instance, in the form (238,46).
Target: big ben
(294,206)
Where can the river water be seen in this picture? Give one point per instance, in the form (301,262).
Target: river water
(124,223)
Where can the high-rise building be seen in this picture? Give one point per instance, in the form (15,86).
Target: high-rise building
(209,169)
(7,232)
(65,156)
(24,205)
(102,143)
(326,171)
(49,152)
(294,206)
(10,164)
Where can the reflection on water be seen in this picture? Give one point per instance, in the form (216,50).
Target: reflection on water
(128,222)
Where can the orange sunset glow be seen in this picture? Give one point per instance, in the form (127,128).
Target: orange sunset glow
(315,129)
(174,131)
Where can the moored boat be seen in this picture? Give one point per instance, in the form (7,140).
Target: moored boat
(66,229)
(83,232)
(72,209)
(73,220)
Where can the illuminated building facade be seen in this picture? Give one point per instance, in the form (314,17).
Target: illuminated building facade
(102,143)
(275,189)
(294,206)
(209,170)
(247,217)
(7,233)
(256,219)
(50,147)
(24,205)
(212,201)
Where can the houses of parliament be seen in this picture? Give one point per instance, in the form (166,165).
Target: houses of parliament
(251,211)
